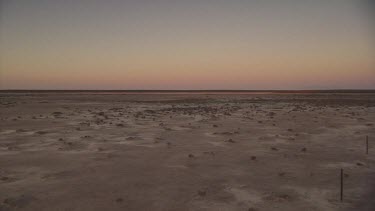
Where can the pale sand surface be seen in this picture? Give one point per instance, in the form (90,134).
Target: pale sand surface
(186,151)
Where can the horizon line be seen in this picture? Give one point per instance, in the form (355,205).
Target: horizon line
(190,90)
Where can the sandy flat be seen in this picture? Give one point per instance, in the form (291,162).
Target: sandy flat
(186,151)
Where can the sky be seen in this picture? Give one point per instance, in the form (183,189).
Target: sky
(187,44)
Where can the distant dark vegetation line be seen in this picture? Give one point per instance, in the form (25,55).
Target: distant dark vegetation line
(191,91)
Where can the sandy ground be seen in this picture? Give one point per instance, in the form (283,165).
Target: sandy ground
(186,152)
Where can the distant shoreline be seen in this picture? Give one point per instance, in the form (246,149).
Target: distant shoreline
(192,91)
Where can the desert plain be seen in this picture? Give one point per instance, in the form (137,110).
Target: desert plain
(186,151)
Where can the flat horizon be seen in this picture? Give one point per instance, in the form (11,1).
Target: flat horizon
(189,90)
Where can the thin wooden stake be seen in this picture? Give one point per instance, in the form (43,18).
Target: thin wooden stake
(342,185)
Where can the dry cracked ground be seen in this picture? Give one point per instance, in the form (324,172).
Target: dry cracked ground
(87,151)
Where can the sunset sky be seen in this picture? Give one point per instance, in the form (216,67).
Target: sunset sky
(187,44)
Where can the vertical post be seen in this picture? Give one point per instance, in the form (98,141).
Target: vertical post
(367,145)
(342,185)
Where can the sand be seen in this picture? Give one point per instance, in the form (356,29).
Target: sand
(97,151)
